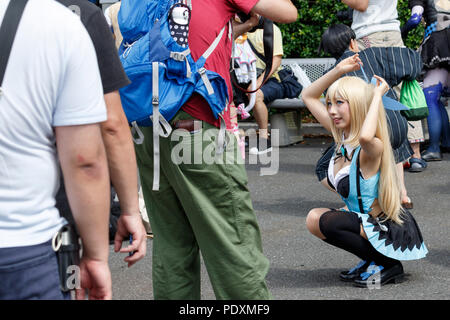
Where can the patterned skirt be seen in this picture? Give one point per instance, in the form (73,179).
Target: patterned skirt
(400,242)
(435,50)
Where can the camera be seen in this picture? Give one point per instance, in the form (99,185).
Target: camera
(244,17)
(345,15)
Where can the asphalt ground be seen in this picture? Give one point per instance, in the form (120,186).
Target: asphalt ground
(303,267)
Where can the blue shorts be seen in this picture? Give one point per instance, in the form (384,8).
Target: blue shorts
(272,89)
(30,273)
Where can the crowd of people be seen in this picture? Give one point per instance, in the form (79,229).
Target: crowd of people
(78,145)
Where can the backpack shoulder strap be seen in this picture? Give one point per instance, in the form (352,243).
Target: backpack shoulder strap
(8,31)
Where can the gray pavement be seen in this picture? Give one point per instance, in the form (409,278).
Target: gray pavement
(303,267)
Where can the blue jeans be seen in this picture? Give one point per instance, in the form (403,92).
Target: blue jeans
(30,273)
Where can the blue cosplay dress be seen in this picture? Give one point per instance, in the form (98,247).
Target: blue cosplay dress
(400,242)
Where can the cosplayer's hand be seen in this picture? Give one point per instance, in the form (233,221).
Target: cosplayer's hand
(349,64)
(381,87)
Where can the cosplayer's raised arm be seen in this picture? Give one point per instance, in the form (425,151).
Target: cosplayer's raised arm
(311,95)
(373,146)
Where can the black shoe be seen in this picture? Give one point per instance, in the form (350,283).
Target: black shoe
(377,276)
(445,149)
(350,275)
(264,146)
(431,156)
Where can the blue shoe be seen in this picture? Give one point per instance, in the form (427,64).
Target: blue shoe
(353,273)
(417,165)
(376,276)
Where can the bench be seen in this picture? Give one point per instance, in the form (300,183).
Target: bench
(106,3)
(289,123)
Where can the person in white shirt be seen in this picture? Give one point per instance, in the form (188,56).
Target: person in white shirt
(50,109)
(376,23)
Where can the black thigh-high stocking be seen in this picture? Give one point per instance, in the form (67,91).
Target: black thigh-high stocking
(342,230)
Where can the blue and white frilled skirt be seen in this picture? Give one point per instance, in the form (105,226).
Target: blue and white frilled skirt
(399,241)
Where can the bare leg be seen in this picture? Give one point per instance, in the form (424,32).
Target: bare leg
(261,114)
(401,177)
(416,148)
(312,221)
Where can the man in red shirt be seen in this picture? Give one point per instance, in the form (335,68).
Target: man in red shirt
(206,207)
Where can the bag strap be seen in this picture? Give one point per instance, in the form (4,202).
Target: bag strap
(8,31)
(259,55)
(358,184)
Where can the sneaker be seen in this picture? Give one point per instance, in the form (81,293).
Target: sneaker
(431,156)
(264,146)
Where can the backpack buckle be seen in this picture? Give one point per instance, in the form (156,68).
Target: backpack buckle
(178,56)
(202,71)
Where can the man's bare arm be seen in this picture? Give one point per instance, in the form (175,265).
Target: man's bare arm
(360,5)
(83,162)
(282,11)
(123,172)
(120,154)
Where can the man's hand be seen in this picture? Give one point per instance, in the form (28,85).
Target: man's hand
(239,28)
(254,20)
(131,224)
(95,280)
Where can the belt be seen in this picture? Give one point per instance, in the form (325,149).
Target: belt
(190,125)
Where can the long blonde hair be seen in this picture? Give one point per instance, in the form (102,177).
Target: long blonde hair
(359,96)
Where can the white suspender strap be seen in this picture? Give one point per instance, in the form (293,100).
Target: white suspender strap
(156,129)
(205,56)
(213,45)
(161,126)
(204,77)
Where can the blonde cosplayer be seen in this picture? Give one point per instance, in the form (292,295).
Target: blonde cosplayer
(359,96)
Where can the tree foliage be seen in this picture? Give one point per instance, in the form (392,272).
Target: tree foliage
(301,39)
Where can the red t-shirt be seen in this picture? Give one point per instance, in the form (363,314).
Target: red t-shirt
(208,18)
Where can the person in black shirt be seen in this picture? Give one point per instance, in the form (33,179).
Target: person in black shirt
(115,131)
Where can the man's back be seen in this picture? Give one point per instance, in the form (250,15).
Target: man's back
(381,15)
(206,22)
(42,90)
(391,63)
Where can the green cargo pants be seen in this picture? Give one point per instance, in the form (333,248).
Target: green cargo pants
(201,208)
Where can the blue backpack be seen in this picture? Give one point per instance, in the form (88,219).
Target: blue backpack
(163,73)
